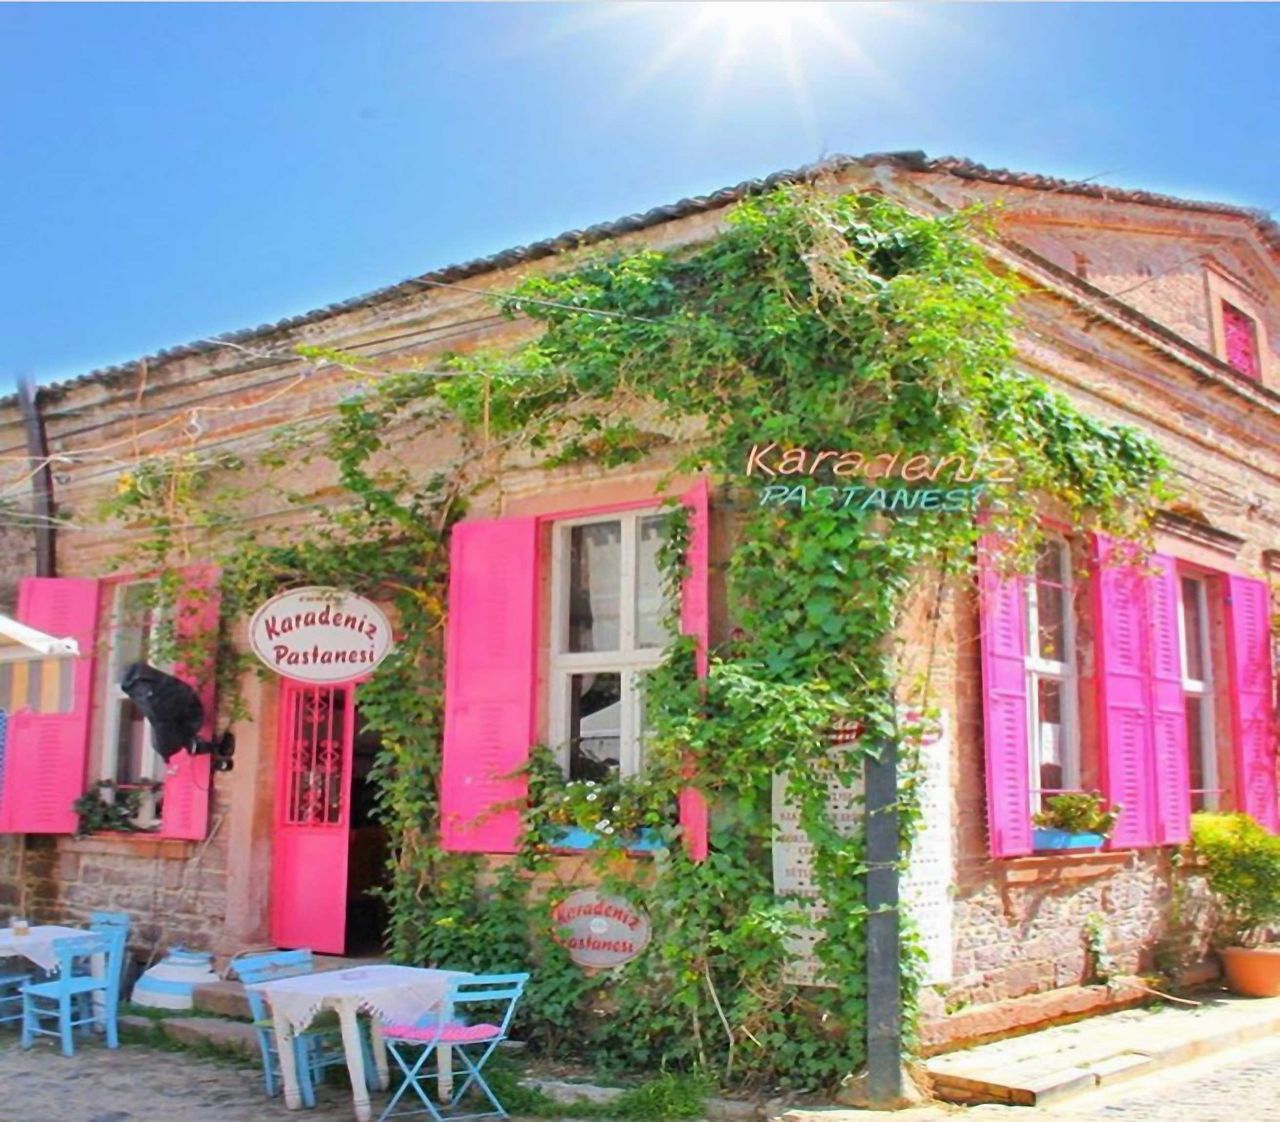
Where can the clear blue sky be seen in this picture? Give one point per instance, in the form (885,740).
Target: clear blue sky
(174,171)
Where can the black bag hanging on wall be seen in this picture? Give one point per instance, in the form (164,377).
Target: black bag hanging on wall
(172,708)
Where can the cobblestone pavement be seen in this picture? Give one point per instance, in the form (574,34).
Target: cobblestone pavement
(1238,1086)
(139,1084)
(1242,1086)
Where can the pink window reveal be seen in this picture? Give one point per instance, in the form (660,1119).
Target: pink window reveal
(1240,335)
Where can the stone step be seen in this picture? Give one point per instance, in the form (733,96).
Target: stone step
(1067,1060)
(224,999)
(227,1036)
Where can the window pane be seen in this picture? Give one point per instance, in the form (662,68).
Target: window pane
(1051,602)
(1049,746)
(133,624)
(131,743)
(1195,751)
(650,603)
(1193,650)
(595,725)
(595,586)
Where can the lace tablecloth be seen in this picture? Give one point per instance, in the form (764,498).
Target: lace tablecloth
(37,944)
(393,994)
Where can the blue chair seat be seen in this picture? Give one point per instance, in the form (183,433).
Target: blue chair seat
(79,983)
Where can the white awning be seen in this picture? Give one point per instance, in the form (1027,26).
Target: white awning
(20,643)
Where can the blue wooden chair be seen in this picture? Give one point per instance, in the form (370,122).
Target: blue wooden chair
(70,997)
(316,1049)
(470,1045)
(109,919)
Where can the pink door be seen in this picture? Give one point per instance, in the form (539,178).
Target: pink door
(312,827)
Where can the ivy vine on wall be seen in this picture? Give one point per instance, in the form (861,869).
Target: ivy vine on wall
(812,320)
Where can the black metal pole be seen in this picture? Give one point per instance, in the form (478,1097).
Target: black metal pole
(884,980)
(41,477)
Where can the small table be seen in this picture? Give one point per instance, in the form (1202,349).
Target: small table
(391,994)
(37,945)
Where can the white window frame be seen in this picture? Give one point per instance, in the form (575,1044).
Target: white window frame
(1062,671)
(630,661)
(152,769)
(1201,688)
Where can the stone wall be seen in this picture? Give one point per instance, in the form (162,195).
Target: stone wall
(174,892)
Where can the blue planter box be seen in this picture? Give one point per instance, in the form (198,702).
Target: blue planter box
(575,837)
(1054,839)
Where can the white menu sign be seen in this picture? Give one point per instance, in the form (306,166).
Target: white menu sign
(924,886)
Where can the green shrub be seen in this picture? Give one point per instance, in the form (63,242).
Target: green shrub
(1242,866)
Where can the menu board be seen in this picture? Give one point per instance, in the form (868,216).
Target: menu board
(924,885)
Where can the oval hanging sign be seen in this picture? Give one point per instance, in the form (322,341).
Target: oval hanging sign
(320,635)
(599,930)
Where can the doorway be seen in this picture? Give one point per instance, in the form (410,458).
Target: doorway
(329,854)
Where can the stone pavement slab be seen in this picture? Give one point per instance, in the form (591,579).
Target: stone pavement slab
(1069,1059)
(137,1084)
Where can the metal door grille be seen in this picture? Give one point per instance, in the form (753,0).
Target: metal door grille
(318,728)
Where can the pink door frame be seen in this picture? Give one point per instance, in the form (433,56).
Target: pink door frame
(312,824)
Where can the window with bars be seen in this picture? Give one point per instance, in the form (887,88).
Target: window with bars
(1197,688)
(1051,675)
(319,722)
(608,613)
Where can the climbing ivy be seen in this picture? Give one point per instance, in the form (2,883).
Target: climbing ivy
(810,321)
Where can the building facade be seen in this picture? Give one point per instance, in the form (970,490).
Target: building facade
(1155,312)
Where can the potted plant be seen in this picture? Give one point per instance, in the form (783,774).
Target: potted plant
(1079,820)
(1241,864)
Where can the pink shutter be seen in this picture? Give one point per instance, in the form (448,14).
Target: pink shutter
(46,754)
(1120,629)
(1253,727)
(695,619)
(1003,638)
(1241,337)
(1168,708)
(188,779)
(491,682)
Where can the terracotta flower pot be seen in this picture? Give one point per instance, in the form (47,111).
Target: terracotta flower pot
(1252,971)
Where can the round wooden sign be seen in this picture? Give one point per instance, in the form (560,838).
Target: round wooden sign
(320,635)
(600,930)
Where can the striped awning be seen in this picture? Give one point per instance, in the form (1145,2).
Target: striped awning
(20,643)
(36,670)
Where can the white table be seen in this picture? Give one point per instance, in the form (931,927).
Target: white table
(37,945)
(389,994)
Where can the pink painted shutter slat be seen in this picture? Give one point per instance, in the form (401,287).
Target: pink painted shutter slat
(1120,629)
(188,779)
(491,682)
(1003,641)
(695,620)
(1168,705)
(1252,700)
(46,754)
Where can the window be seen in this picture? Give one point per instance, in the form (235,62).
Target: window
(1051,675)
(1197,687)
(1240,339)
(127,758)
(608,614)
